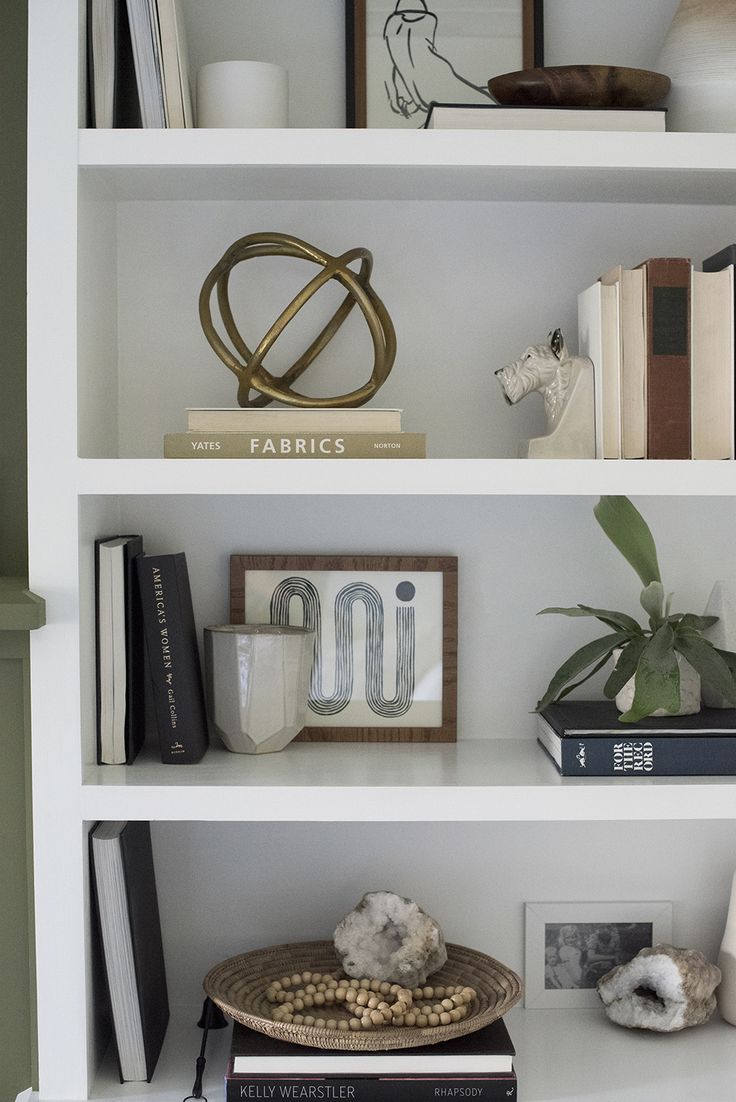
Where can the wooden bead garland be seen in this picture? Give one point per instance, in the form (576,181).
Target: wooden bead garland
(366,1000)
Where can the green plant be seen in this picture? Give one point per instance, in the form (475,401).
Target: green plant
(649,655)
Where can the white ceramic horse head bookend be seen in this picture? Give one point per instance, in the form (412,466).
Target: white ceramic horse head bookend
(566,385)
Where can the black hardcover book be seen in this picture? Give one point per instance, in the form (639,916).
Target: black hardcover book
(130,932)
(119,650)
(372,1088)
(720,260)
(586,738)
(173,657)
(261,1066)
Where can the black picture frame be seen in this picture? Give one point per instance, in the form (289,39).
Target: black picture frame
(356,61)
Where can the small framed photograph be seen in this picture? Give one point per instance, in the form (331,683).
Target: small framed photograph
(569,946)
(385,649)
(402,56)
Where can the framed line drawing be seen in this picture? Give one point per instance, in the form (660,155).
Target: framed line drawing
(569,946)
(402,55)
(385,652)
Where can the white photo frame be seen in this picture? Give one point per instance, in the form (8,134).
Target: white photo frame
(570,945)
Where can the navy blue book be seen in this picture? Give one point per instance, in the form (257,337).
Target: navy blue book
(585,738)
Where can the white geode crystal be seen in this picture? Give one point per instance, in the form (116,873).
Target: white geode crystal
(388,937)
(662,988)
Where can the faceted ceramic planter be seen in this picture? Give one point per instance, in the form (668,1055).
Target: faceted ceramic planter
(689,691)
(257,678)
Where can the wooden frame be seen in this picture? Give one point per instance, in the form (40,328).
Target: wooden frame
(423,641)
(356,24)
(545,921)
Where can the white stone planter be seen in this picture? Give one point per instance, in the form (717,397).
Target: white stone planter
(257,680)
(689,691)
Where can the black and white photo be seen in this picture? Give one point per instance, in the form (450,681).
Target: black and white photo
(570,946)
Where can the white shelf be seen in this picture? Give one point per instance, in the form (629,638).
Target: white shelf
(583,166)
(387,476)
(575,1056)
(472,781)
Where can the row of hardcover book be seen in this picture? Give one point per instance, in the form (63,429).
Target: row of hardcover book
(144,623)
(138,69)
(661,339)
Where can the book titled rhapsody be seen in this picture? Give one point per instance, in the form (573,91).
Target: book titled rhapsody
(349,1091)
(307,445)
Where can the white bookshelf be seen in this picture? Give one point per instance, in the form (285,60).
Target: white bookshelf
(481,243)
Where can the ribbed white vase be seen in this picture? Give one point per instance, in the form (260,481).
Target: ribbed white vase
(721,603)
(726,993)
(699,57)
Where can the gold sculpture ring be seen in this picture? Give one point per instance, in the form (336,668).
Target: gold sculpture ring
(250,370)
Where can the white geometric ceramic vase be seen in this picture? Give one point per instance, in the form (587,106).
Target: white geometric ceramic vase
(721,603)
(689,691)
(699,57)
(257,681)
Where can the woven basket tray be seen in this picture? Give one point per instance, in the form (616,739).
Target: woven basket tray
(238,986)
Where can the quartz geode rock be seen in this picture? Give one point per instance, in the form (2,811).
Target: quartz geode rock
(388,937)
(662,988)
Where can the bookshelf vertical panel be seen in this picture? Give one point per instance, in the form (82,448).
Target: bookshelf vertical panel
(52,307)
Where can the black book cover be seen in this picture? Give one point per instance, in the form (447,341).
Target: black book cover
(173,657)
(490,1041)
(126,108)
(571,718)
(720,260)
(133,840)
(373,1088)
(134,649)
(642,756)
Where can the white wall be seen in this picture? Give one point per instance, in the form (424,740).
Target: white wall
(307,37)
(228,888)
(468,286)
(517,555)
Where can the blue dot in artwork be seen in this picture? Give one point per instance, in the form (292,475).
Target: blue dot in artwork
(405,591)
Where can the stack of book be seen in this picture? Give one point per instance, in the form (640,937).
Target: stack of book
(585,738)
(661,339)
(475,1065)
(138,65)
(365,433)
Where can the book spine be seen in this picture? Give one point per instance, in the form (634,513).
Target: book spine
(307,445)
(655,756)
(173,657)
(667,296)
(369,1088)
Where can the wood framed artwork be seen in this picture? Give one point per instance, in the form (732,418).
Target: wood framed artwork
(403,55)
(569,946)
(385,651)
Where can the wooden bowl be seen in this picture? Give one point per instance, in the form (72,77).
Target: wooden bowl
(238,986)
(580,86)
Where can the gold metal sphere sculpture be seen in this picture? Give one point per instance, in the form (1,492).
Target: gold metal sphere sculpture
(253,377)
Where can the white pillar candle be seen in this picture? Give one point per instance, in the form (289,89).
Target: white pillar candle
(242,94)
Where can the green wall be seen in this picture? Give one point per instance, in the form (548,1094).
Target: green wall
(16,1028)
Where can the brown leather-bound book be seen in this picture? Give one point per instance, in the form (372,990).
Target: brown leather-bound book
(667,296)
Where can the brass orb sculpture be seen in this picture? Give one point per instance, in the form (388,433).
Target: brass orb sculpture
(256,386)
